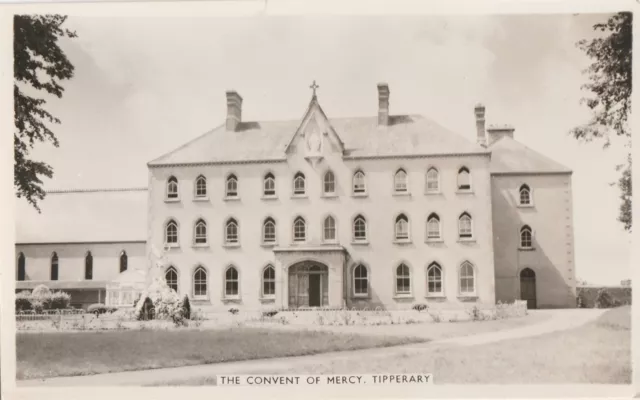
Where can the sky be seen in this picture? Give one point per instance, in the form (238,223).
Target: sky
(143,87)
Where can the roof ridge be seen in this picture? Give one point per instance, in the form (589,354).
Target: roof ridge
(132,189)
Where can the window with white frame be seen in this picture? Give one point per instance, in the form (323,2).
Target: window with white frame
(400,183)
(172,188)
(200,283)
(329,183)
(329,229)
(231,282)
(526,237)
(269,281)
(359,184)
(299,230)
(360,280)
(201,187)
(269,185)
(433,227)
(171,232)
(201,232)
(525,195)
(465,228)
(359,229)
(402,228)
(434,280)
(403,280)
(464,179)
(232,186)
(231,231)
(467,278)
(433,180)
(299,184)
(171,277)
(269,231)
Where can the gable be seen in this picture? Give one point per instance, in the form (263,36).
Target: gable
(315,134)
(510,156)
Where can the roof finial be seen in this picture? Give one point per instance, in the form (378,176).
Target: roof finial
(313,87)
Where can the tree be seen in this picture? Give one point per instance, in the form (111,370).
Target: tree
(610,96)
(39,66)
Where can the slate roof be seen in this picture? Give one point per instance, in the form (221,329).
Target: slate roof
(102,215)
(406,135)
(511,156)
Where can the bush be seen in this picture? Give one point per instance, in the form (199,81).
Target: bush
(269,313)
(59,301)
(23,301)
(234,311)
(420,307)
(604,299)
(41,291)
(186,307)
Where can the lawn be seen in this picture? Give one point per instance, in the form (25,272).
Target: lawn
(52,354)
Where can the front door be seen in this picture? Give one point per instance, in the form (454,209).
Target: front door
(315,290)
(528,287)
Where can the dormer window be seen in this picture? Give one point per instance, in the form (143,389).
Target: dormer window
(299,184)
(172,188)
(464,179)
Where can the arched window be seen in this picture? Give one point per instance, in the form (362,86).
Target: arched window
(88,266)
(299,230)
(329,186)
(22,269)
(467,278)
(359,185)
(525,195)
(403,279)
(171,276)
(433,180)
(201,186)
(54,266)
(464,179)
(526,237)
(434,280)
(402,227)
(269,231)
(433,227)
(200,283)
(400,181)
(269,185)
(231,282)
(359,229)
(201,232)
(171,232)
(360,280)
(269,281)
(329,229)
(465,229)
(231,231)
(298,184)
(124,261)
(172,188)
(232,186)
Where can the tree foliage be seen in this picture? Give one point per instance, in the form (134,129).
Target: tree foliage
(609,87)
(39,67)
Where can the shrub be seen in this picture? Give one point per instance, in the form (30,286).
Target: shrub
(41,291)
(604,299)
(420,307)
(476,314)
(234,311)
(23,301)
(59,301)
(147,311)
(435,316)
(97,309)
(269,313)
(186,307)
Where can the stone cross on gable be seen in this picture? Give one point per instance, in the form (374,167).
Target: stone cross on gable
(313,87)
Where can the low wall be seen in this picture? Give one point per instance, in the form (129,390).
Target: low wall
(587,294)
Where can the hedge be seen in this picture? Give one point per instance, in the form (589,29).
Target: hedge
(41,299)
(603,297)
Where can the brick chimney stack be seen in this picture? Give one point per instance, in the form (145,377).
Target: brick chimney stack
(383,104)
(479,112)
(234,110)
(497,132)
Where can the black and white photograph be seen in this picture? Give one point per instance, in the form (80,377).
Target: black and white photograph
(320,200)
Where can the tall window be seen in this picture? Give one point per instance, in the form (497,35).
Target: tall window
(433,227)
(269,185)
(402,227)
(433,180)
(329,229)
(269,231)
(231,231)
(54,266)
(525,195)
(269,281)
(465,230)
(171,232)
(467,278)
(124,261)
(526,237)
(22,269)
(88,266)
(434,279)
(359,185)
(232,186)
(360,281)
(400,181)
(403,279)
(329,186)
(201,186)
(464,179)
(171,276)
(172,188)
(201,232)
(299,230)
(359,229)
(200,283)
(231,282)
(298,184)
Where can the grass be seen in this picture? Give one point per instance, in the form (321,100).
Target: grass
(41,355)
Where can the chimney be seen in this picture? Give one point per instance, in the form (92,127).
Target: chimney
(383,104)
(479,111)
(496,132)
(234,110)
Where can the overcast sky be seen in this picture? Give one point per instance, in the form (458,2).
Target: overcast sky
(145,86)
